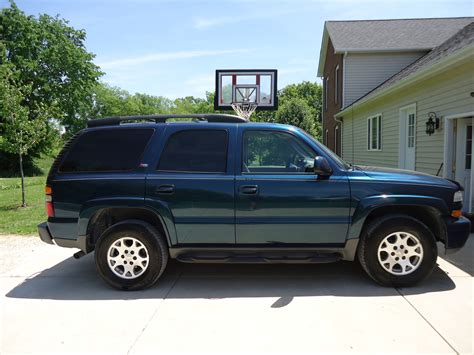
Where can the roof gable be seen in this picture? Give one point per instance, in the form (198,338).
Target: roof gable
(388,35)
(461,41)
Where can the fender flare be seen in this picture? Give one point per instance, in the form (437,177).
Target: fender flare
(160,209)
(369,204)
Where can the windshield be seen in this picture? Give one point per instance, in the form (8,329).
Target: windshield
(327,151)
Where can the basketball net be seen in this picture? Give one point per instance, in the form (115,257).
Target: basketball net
(244,109)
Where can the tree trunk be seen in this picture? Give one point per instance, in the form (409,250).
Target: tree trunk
(23,202)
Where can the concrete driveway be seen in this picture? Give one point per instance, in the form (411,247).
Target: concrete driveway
(52,303)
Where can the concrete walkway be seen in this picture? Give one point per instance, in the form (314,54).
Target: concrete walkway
(51,303)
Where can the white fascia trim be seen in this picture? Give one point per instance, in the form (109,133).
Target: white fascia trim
(464,53)
(322,52)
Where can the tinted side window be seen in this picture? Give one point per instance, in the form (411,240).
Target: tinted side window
(273,152)
(107,150)
(203,151)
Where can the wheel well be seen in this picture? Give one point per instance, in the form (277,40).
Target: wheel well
(430,216)
(107,217)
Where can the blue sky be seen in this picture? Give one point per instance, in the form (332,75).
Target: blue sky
(172,48)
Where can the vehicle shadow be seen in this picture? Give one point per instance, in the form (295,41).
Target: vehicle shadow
(77,280)
(462,259)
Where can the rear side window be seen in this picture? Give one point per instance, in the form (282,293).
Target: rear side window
(201,151)
(107,150)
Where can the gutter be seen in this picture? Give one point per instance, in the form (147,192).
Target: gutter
(382,50)
(463,53)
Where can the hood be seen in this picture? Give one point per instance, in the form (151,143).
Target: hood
(408,176)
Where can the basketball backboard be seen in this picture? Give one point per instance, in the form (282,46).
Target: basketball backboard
(238,87)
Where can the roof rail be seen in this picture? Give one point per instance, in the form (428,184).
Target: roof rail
(208,117)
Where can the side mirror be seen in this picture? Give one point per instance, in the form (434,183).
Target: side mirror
(322,167)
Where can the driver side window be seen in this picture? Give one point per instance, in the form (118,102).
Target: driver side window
(271,152)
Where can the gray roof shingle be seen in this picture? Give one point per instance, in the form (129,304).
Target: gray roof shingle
(460,40)
(402,34)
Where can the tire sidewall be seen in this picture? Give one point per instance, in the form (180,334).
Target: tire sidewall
(148,238)
(399,224)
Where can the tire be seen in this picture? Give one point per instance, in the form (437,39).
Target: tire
(388,247)
(131,242)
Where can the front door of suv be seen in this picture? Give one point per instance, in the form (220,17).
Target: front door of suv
(279,199)
(194,183)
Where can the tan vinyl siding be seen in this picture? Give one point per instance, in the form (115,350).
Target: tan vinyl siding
(445,94)
(365,71)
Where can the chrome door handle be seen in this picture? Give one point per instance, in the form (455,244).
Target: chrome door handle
(165,190)
(249,189)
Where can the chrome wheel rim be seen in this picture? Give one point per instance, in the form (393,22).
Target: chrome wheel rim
(128,258)
(400,253)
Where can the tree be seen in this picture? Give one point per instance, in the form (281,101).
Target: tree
(19,132)
(296,112)
(308,94)
(49,58)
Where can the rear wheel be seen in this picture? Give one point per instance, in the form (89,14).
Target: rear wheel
(131,255)
(397,251)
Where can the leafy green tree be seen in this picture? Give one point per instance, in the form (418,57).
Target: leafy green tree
(49,57)
(310,92)
(308,96)
(191,104)
(297,112)
(19,132)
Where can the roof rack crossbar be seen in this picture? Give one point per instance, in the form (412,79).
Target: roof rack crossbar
(113,121)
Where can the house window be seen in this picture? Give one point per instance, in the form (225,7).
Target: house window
(326,85)
(374,133)
(336,140)
(336,85)
(326,137)
(411,130)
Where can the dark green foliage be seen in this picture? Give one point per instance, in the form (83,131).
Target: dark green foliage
(296,112)
(299,105)
(50,67)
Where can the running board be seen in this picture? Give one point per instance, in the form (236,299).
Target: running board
(322,258)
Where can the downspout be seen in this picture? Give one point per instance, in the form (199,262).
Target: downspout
(341,121)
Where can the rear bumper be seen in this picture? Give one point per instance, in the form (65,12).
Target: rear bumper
(457,232)
(46,236)
(44,233)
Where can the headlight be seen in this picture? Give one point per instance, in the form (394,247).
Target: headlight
(458,196)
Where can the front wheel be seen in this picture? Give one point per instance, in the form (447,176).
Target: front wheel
(131,255)
(397,251)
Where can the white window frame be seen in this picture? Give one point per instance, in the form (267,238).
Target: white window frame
(326,137)
(326,90)
(370,120)
(336,140)
(336,85)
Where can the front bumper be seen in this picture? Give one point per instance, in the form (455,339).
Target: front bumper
(457,232)
(46,236)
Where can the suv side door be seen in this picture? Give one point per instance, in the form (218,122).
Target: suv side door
(193,179)
(279,199)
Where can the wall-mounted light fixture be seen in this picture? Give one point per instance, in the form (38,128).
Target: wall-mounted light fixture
(432,124)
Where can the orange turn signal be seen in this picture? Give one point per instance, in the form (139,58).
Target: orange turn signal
(456,213)
(48,190)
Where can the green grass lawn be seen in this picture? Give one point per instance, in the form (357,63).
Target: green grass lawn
(15,219)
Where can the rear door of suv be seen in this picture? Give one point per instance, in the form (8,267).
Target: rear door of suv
(193,179)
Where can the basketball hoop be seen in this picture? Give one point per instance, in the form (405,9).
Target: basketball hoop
(246,90)
(244,109)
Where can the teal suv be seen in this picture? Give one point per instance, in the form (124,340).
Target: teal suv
(218,189)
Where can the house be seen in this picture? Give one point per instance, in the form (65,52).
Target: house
(400,94)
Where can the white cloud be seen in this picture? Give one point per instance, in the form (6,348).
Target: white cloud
(207,22)
(164,56)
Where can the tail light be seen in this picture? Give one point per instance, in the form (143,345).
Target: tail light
(49,201)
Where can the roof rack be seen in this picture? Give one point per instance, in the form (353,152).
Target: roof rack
(112,121)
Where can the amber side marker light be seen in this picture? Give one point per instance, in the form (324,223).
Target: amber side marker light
(49,201)
(456,213)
